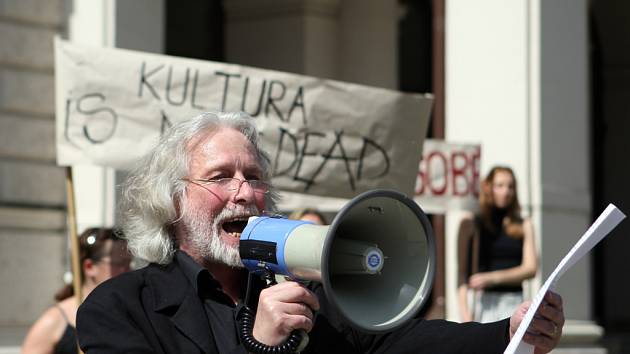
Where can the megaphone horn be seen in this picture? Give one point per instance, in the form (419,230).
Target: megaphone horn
(376,260)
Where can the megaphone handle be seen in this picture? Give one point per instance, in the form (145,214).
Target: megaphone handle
(297,341)
(303,338)
(270,277)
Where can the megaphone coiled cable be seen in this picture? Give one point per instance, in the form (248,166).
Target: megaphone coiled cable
(245,319)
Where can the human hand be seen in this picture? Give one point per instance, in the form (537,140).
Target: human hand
(545,330)
(480,281)
(283,308)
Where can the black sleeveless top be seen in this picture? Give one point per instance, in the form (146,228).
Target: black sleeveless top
(497,250)
(68,342)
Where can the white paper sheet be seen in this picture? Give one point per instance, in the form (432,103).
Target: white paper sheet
(607,221)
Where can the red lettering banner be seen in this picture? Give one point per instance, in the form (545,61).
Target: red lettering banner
(448,177)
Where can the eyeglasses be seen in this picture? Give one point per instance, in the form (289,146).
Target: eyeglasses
(232,184)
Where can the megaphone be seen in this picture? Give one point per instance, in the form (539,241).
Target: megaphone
(376,260)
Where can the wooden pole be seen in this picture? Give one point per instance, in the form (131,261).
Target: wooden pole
(74,240)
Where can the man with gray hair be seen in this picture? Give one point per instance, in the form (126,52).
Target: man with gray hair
(184,208)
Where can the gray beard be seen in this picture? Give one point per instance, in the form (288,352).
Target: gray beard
(204,235)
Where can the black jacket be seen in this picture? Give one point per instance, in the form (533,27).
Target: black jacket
(156,310)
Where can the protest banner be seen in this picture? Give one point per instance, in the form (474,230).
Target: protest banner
(448,177)
(324,137)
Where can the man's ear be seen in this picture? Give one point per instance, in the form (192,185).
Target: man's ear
(177,205)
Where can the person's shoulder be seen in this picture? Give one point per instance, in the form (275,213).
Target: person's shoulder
(52,319)
(114,297)
(45,332)
(121,302)
(124,286)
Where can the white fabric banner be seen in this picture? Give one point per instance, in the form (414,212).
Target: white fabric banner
(448,177)
(324,137)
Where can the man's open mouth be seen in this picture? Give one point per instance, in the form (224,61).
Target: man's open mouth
(234,227)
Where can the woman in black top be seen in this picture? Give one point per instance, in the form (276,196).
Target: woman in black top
(496,251)
(102,256)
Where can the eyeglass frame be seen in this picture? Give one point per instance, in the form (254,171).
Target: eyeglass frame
(205,182)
